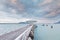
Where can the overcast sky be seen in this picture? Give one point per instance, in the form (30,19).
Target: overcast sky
(14,11)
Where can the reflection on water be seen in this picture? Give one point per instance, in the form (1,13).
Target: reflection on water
(50,32)
(5,28)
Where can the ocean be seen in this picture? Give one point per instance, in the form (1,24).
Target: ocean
(47,32)
(8,27)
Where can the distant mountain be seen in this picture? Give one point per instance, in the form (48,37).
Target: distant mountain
(31,21)
(57,22)
(28,22)
(23,23)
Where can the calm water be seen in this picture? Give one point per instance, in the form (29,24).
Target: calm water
(46,32)
(5,28)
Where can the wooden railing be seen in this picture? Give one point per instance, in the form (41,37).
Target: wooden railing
(25,34)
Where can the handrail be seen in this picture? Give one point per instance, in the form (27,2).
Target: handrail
(24,35)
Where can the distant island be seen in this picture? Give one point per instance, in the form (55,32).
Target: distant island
(27,22)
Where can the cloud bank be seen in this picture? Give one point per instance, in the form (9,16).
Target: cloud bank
(23,10)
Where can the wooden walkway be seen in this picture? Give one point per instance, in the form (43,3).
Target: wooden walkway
(20,34)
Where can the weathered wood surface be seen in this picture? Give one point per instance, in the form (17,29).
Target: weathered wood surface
(20,34)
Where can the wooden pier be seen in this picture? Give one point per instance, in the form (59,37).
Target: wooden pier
(19,34)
